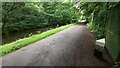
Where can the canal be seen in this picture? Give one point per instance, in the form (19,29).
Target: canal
(24,33)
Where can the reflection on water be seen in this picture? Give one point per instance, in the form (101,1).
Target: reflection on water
(21,34)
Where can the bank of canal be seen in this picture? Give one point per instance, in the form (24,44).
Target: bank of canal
(24,33)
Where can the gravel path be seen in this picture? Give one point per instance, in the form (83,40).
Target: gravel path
(71,47)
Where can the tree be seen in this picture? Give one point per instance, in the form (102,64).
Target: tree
(97,14)
(7,10)
(21,16)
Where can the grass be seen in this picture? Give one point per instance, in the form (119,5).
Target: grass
(8,48)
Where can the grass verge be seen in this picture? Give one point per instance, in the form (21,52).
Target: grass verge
(7,48)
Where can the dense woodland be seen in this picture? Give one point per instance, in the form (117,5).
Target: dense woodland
(27,15)
(97,14)
(24,16)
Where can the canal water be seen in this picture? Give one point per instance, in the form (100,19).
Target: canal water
(21,34)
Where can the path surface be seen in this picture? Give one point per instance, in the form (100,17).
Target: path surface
(71,47)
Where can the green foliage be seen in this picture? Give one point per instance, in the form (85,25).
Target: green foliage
(7,48)
(116,64)
(22,16)
(97,14)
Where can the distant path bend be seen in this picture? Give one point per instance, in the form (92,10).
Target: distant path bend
(71,47)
